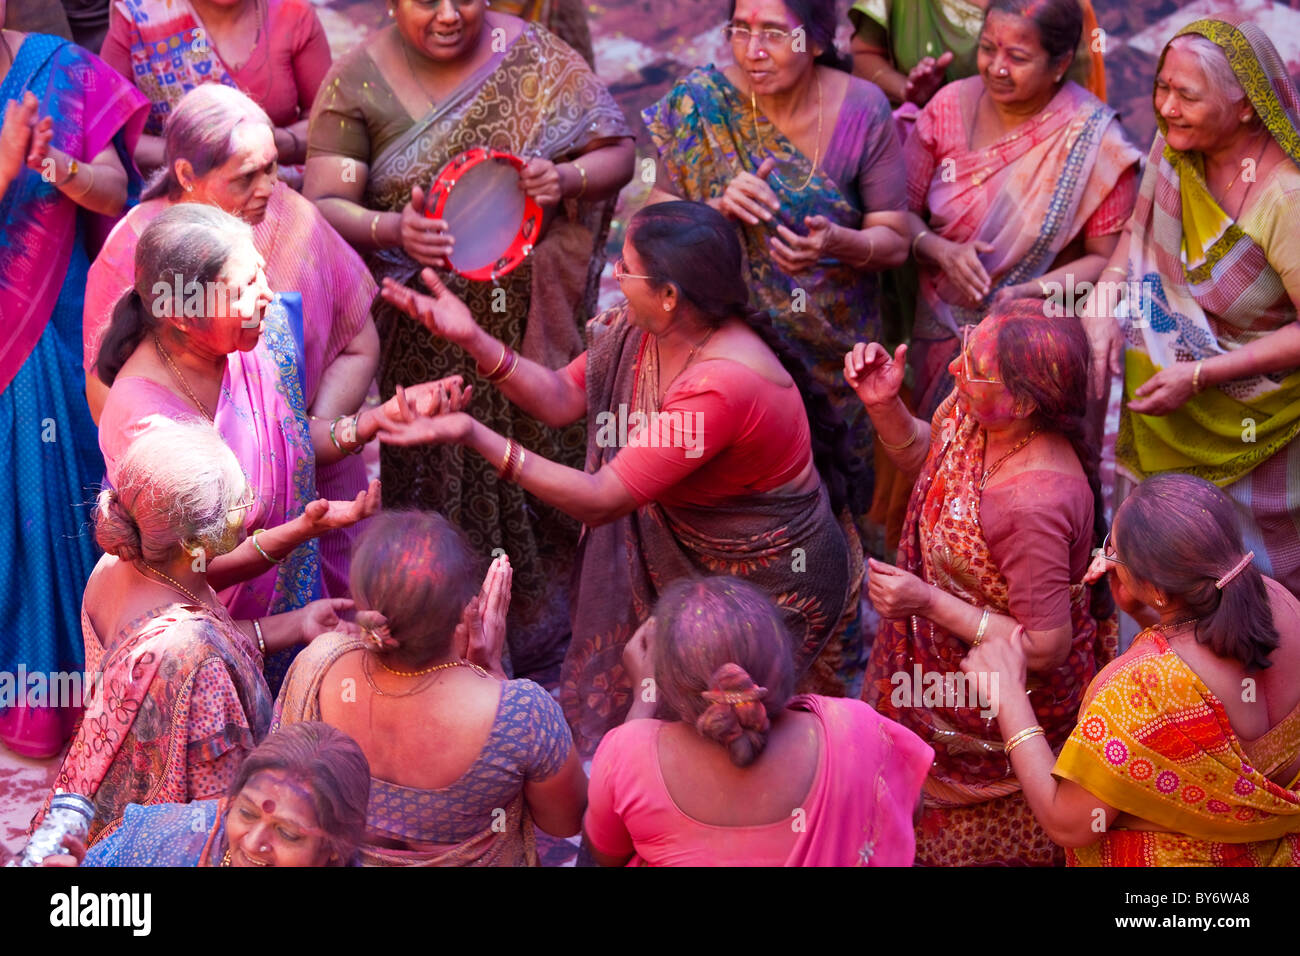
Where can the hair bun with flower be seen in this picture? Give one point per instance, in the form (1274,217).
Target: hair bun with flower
(374,628)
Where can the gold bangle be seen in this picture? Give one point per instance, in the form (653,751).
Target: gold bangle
(374,226)
(90,169)
(257,629)
(915,431)
(1196,376)
(253,537)
(1020,738)
(1123,272)
(984,623)
(915,242)
(510,371)
(496,368)
(1042,287)
(519,465)
(583,173)
(504,470)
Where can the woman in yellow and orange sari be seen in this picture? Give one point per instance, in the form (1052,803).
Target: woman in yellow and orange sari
(1187,749)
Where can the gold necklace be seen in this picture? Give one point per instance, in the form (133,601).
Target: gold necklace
(690,357)
(173,582)
(180,379)
(817,151)
(431,669)
(225,860)
(1166,628)
(1242,165)
(997,464)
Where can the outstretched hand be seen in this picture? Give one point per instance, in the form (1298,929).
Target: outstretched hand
(323,515)
(924,79)
(441,312)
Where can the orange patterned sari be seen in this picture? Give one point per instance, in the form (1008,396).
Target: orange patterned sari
(1155,742)
(975,813)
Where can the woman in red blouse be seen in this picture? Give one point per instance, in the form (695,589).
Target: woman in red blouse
(274,51)
(700,455)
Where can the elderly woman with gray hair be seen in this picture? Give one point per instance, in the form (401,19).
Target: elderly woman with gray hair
(182,699)
(199,335)
(220,151)
(1210,265)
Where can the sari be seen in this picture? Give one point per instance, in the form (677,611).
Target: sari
(177,706)
(707,133)
(1205,286)
(535,98)
(262,418)
(911,30)
(1047,184)
(789,545)
(975,812)
(858,811)
(305,255)
(482,818)
(49,461)
(163,47)
(166,834)
(1155,742)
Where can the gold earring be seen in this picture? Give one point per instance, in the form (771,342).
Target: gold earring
(668,307)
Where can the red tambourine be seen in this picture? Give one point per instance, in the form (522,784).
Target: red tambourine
(494,223)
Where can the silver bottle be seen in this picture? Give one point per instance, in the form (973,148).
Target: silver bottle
(70,813)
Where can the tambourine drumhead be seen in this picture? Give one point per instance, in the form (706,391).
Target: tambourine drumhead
(494,224)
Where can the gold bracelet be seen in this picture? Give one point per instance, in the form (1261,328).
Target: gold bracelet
(89,168)
(510,371)
(1020,738)
(915,431)
(257,629)
(504,470)
(583,173)
(1123,272)
(519,465)
(915,242)
(984,623)
(253,537)
(1196,376)
(496,368)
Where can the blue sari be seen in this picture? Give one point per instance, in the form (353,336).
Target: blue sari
(165,834)
(50,465)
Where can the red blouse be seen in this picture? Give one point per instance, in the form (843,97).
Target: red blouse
(723,431)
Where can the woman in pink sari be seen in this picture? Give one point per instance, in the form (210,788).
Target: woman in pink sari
(742,774)
(219,151)
(1025,176)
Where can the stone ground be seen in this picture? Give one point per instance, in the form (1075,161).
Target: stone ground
(640,51)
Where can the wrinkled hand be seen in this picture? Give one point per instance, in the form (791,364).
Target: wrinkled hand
(441,312)
(749,198)
(323,515)
(1164,392)
(1021,290)
(873,374)
(896,593)
(425,240)
(924,79)
(484,619)
(16,135)
(960,262)
(638,655)
(322,617)
(540,179)
(1004,657)
(1106,343)
(794,253)
(76,853)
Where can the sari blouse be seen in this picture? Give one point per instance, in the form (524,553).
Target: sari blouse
(711,438)
(857,813)
(160,46)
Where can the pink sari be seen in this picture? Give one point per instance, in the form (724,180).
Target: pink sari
(261,417)
(303,254)
(1030,195)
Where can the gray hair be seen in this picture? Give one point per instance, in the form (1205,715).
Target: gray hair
(201,130)
(176,485)
(186,244)
(1222,84)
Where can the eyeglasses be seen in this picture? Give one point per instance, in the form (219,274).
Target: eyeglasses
(966,331)
(621,273)
(768,37)
(251,503)
(1108,553)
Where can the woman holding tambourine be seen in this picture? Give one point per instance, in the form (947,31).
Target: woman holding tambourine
(443,80)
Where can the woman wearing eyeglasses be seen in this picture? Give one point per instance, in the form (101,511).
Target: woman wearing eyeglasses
(996,542)
(1187,748)
(804,159)
(705,453)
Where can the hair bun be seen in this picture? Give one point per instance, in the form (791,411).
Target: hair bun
(116,529)
(736,716)
(374,628)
